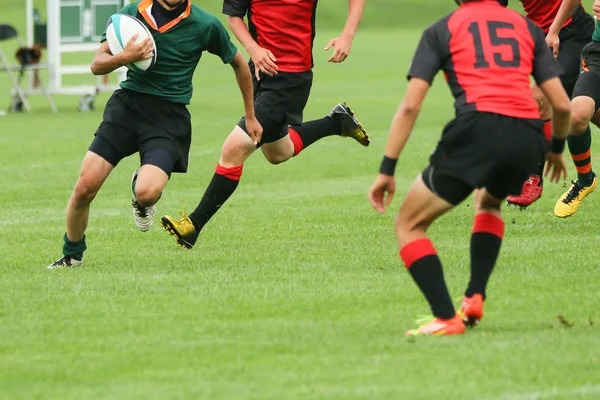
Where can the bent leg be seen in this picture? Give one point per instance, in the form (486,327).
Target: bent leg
(93,173)
(486,240)
(418,211)
(236,149)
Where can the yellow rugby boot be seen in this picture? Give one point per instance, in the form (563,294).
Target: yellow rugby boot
(183,229)
(571,200)
(351,127)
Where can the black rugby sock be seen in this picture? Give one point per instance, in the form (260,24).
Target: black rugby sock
(423,264)
(309,132)
(221,187)
(74,249)
(486,240)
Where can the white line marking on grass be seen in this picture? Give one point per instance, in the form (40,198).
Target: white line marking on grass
(556,392)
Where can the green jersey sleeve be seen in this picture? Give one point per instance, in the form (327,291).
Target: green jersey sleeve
(129,9)
(220,43)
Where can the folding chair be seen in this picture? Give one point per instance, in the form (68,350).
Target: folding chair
(26,57)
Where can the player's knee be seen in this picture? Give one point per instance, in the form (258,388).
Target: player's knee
(408,227)
(147,195)
(579,122)
(233,153)
(86,189)
(276,158)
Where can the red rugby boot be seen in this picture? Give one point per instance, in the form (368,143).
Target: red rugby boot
(532,191)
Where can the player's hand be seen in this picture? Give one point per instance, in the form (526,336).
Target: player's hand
(553,42)
(342,46)
(134,52)
(557,167)
(596,9)
(264,61)
(377,195)
(254,129)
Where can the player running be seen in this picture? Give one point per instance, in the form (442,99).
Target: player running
(279,38)
(585,108)
(487,53)
(149,113)
(568,29)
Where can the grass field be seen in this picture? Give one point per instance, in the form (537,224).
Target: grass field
(295,289)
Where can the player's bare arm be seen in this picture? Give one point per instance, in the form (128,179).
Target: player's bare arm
(402,126)
(343,43)
(262,58)
(566,10)
(596,9)
(105,62)
(561,125)
(244,80)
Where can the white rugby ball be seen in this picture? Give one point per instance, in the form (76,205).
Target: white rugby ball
(120,29)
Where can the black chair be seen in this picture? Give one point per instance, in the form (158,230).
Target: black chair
(28,59)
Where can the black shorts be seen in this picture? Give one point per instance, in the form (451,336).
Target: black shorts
(485,150)
(279,101)
(158,129)
(573,38)
(588,83)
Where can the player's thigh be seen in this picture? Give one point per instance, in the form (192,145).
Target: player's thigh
(115,137)
(569,58)
(92,175)
(163,140)
(298,87)
(586,99)
(517,156)
(420,208)
(270,108)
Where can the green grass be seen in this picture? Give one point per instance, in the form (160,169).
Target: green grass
(295,289)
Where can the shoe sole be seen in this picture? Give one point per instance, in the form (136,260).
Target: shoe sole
(167,226)
(521,207)
(350,113)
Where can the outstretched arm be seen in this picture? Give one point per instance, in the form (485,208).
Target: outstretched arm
(402,126)
(262,58)
(566,10)
(244,81)
(343,43)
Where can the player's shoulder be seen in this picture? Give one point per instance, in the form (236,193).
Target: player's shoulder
(439,26)
(202,16)
(131,8)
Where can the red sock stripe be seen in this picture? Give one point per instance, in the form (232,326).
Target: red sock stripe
(415,250)
(488,223)
(585,169)
(297,140)
(581,157)
(233,173)
(548,130)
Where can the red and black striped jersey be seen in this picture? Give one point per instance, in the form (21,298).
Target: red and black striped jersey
(543,12)
(487,53)
(285,27)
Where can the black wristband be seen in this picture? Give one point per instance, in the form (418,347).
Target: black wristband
(388,166)
(557,146)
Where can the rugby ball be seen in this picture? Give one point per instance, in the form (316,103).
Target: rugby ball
(120,29)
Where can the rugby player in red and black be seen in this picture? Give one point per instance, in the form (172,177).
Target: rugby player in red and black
(568,29)
(487,53)
(279,38)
